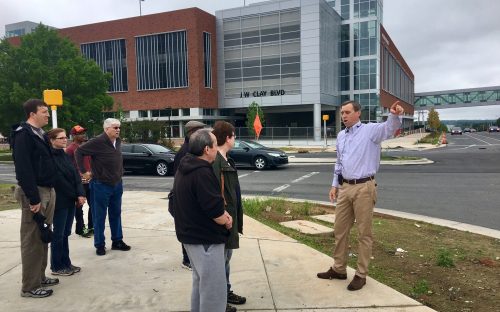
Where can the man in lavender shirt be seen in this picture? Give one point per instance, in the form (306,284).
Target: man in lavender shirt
(354,187)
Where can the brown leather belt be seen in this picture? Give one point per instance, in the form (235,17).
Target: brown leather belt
(358,181)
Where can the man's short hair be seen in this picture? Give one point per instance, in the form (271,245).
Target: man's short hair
(199,140)
(32,105)
(355,105)
(222,130)
(109,122)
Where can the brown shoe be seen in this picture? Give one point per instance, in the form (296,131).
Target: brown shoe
(357,283)
(331,274)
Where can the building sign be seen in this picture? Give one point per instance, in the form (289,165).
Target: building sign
(262,93)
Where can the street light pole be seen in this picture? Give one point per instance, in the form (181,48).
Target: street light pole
(140,7)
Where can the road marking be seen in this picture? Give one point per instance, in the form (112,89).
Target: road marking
(305,177)
(7,174)
(470,136)
(281,188)
(246,174)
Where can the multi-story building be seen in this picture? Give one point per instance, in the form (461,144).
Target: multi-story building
(19,29)
(298,59)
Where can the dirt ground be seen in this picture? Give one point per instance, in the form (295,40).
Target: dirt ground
(445,269)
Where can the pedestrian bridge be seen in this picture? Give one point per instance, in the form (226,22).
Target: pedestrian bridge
(458,98)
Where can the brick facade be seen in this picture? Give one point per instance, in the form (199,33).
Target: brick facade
(194,21)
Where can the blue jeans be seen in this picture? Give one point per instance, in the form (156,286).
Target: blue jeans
(63,221)
(106,198)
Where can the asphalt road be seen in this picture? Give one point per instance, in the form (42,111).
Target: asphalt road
(462,185)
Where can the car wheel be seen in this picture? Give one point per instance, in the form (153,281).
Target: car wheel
(260,162)
(161,168)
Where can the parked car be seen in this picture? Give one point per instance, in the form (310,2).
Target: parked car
(493,129)
(473,130)
(467,130)
(251,153)
(456,130)
(151,158)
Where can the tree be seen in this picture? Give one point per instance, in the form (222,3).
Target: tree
(433,120)
(43,60)
(252,111)
(498,122)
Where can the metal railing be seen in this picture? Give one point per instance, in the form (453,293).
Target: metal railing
(286,135)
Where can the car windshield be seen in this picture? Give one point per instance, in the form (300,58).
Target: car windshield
(457,128)
(158,148)
(253,144)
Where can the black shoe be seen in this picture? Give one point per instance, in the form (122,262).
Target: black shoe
(230,308)
(120,245)
(331,274)
(37,293)
(47,282)
(235,299)
(186,265)
(100,251)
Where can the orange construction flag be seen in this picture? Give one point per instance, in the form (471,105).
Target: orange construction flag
(257,126)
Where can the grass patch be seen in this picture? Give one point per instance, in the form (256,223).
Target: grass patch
(431,138)
(7,200)
(442,268)
(387,157)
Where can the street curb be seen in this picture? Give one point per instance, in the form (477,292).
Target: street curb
(295,160)
(406,215)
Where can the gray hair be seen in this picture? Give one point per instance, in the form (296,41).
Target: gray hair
(355,105)
(109,122)
(199,140)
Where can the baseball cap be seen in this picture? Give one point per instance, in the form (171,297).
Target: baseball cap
(193,125)
(76,130)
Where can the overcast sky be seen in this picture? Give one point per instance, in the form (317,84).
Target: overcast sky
(448,44)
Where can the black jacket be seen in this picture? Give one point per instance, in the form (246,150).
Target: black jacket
(197,201)
(68,183)
(107,161)
(33,161)
(180,154)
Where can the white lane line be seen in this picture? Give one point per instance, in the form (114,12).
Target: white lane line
(470,136)
(8,174)
(246,174)
(305,177)
(281,188)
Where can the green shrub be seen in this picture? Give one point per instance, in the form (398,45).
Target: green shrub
(420,288)
(445,258)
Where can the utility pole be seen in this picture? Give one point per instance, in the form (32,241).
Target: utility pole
(140,7)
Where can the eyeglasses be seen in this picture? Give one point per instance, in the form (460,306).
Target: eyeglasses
(116,128)
(62,138)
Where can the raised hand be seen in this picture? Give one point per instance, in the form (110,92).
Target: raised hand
(397,109)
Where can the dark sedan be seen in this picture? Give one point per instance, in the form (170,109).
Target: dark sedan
(250,153)
(493,129)
(456,130)
(152,158)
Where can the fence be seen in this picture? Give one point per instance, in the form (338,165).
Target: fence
(286,134)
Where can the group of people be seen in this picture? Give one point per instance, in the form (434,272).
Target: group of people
(54,182)
(205,199)
(208,213)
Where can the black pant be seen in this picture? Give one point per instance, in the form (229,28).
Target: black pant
(79,213)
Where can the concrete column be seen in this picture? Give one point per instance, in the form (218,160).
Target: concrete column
(317,122)
(181,129)
(338,120)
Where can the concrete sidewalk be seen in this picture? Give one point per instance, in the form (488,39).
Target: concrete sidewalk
(273,271)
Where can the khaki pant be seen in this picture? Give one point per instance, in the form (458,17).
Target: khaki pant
(354,202)
(33,250)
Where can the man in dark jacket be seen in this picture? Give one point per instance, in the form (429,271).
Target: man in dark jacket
(35,178)
(201,223)
(106,184)
(79,137)
(191,127)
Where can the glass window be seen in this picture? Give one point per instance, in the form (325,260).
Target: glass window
(290,68)
(290,16)
(233,73)
(232,54)
(234,24)
(111,57)
(162,61)
(344,68)
(143,113)
(251,72)
(251,52)
(186,112)
(249,22)
(250,62)
(207,58)
(126,148)
(269,19)
(270,70)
